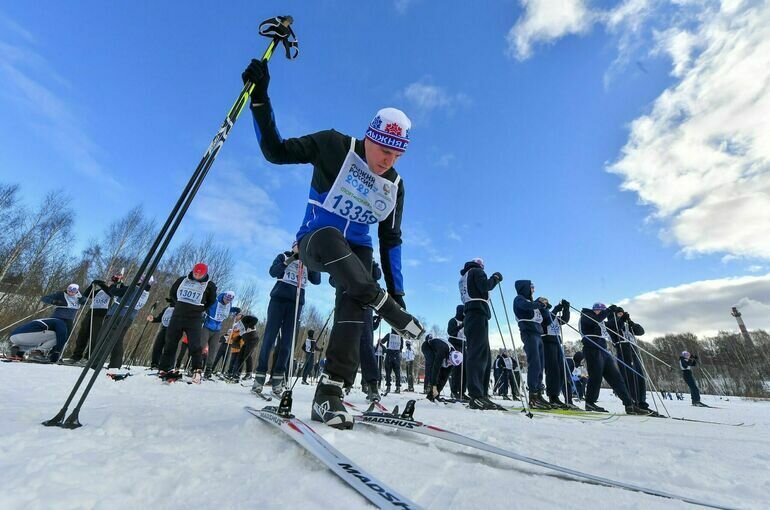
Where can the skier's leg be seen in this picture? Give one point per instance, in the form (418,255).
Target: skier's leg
(327,250)
(595,367)
(81,342)
(615,380)
(366,351)
(272,326)
(532,350)
(173,335)
(478,353)
(284,343)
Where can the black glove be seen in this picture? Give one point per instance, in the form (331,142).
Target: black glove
(565,303)
(258,74)
(497,276)
(288,259)
(376,321)
(627,317)
(400,301)
(694,356)
(612,308)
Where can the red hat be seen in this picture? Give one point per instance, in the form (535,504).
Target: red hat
(200,267)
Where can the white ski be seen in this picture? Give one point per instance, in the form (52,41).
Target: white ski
(356,477)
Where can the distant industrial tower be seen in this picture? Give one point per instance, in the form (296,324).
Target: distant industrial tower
(742,326)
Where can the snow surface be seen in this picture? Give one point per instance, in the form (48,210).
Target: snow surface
(186,446)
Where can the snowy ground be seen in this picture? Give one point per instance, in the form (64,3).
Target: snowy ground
(186,446)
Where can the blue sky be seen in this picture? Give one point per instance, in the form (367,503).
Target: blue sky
(543,138)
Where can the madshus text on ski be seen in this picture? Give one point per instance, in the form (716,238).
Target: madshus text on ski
(354,185)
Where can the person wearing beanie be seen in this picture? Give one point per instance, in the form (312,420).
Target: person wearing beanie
(353,187)
(686,362)
(141,291)
(529,316)
(280,317)
(164,317)
(91,325)
(215,315)
(474,293)
(599,361)
(440,357)
(393,344)
(309,348)
(623,332)
(458,382)
(190,297)
(557,376)
(579,374)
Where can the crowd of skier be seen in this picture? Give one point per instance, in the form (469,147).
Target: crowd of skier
(354,185)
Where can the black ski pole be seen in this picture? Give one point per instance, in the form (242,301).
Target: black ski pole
(132,356)
(278,29)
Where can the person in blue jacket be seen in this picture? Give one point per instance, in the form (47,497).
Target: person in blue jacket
(529,316)
(353,187)
(212,326)
(280,317)
(599,361)
(474,293)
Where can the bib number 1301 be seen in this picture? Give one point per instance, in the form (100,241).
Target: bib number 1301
(346,209)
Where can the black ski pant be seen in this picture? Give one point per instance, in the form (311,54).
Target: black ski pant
(116,356)
(633,376)
(533,348)
(245,358)
(410,375)
(183,349)
(393,364)
(280,317)
(478,362)
(210,338)
(157,347)
(326,250)
(554,367)
(308,368)
(690,380)
(89,331)
(436,351)
(369,364)
(600,364)
(224,347)
(506,380)
(177,327)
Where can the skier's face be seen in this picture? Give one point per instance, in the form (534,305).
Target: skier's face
(380,159)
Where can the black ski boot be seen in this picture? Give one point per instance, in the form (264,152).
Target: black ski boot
(536,401)
(327,404)
(398,389)
(590,406)
(483,404)
(372,394)
(699,404)
(556,403)
(259,383)
(632,409)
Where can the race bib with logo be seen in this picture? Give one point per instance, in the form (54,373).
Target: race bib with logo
(290,274)
(553,328)
(358,194)
(394,342)
(140,303)
(166,318)
(191,291)
(508,363)
(222,311)
(101,301)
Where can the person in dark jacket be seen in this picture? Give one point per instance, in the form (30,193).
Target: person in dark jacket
(506,366)
(458,381)
(686,362)
(474,293)
(249,338)
(309,348)
(164,318)
(441,356)
(354,186)
(142,289)
(579,378)
(394,344)
(190,295)
(529,316)
(557,377)
(599,361)
(623,332)
(280,317)
(92,323)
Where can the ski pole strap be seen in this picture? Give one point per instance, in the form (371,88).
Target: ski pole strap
(279,29)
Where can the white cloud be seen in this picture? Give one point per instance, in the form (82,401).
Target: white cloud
(702,307)
(454,236)
(402,5)
(701,157)
(426,97)
(241,211)
(544,21)
(27,84)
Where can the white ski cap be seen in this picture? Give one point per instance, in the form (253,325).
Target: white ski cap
(456,358)
(479,261)
(390,128)
(73,287)
(230,294)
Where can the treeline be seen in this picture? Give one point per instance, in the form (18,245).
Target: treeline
(37,257)
(728,363)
